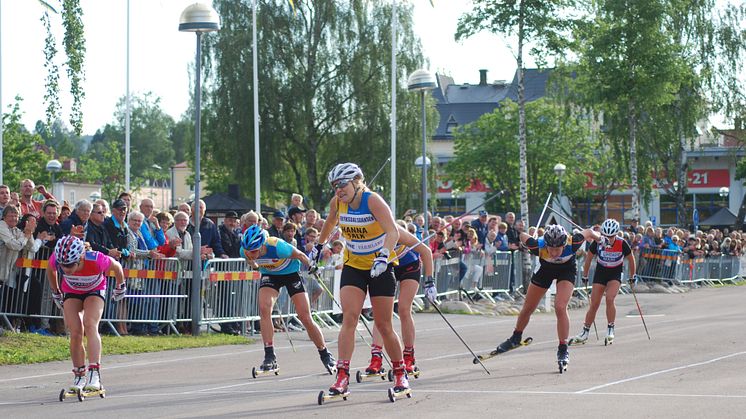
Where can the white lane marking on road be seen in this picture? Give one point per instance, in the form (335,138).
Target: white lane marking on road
(640,377)
(631,316)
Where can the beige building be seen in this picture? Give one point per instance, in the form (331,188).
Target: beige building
(181,190)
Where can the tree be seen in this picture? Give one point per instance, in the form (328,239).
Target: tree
(151,130)
(323,91)
(23,153)
(537,21)
(554,138)
(629,68)
(74,44)
(59,138)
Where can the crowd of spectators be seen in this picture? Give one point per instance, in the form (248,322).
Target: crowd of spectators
(31,227)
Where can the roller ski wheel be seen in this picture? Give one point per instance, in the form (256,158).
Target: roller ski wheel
(496,352)
(576,342)
(608,341)
(390,375)
(394,394)
(331,369)
(415,372)
(562,366)
(325,397)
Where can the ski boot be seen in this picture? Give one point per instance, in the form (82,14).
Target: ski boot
(94,378)
(509,344)
(375,369)
(581,338)
(563,357)
(340,389)
(409,363)
(76,389)
(609,335)
(328,360)
(269,365)
(401,384)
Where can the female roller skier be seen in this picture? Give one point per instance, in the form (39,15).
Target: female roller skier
(279,263)
(371,234)
(556,252)
(82,288)
(610,253)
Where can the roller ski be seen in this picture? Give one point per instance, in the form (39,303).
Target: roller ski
(328,360)
(609,336)
(80,389)
(375,369)
(510,344)
(401,384)
(563,358)
(340,389)
(581,338)
(269,366)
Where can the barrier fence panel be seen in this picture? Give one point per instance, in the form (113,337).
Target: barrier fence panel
(497,274)
(229,292)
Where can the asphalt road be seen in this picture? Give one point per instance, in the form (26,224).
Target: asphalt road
(694,366)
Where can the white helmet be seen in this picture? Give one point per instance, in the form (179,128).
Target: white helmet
(555,235)
(344,172)
(610,227)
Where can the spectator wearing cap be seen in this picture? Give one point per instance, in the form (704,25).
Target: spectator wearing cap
(296,216)
(228,238)
(116,227)
(278,220)
(65,212)
(481,227)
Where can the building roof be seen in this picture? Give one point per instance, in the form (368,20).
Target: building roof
(462,104)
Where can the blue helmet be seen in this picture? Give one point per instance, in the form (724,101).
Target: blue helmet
(253,238)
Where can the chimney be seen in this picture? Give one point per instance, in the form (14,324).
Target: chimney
(233,191)
(482,77)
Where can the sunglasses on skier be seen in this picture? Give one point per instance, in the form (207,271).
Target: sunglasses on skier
(340,185)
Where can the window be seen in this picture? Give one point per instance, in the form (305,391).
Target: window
(451,125)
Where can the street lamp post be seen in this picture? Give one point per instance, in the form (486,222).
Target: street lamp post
(198,18)
(559,170)
(724,192)
(421,81)
(53,166)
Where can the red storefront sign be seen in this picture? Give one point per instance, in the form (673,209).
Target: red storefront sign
(446,186)
(698,178)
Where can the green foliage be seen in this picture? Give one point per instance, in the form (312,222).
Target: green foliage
(51,84)
(23,152)
(74,42)
(29,348)
(151,130)
(59,138)
(486,150)
(324,93)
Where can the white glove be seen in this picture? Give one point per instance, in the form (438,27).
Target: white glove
(57,297)
(380,263)
(119,293)
(430,292)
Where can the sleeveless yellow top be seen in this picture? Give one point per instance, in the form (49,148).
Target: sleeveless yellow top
(363,234)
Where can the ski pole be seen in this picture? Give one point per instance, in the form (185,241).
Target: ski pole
(566,219)
(285,325)
(379,171)
(639,310)
(585,281)
(541,217)
(428,237)
(460,338)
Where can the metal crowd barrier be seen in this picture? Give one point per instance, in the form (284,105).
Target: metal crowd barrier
(159,290)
